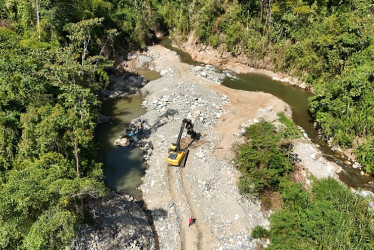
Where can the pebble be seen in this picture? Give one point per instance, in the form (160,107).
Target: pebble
(130,225)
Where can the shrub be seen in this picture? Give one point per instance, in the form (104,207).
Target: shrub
(259,232)
(263,160)
(290,130)
(328,217)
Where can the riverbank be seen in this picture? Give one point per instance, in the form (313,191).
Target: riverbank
(243,64)
(206,188)
(238,64)
(117,222)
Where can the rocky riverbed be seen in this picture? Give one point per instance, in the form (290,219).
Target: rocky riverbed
(118,222)
(206,188)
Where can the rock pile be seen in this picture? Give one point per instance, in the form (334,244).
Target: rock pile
(207,186)
(143,61)
(312,159)
(123,142)
(187,100)
(122,86)
(119,223)
(209,72)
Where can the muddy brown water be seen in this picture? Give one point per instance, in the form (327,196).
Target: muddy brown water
(297,98)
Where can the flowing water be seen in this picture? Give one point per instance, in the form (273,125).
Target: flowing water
(297,98)
(123,166)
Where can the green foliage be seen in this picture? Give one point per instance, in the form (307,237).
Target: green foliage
(135,21)
(365,155)
(53,229)
(343,107)
(328,44)
(48,107)
(328,217)
(259,232)
(51,69)
(39,198)
(6,32)
(290,130)
(264,160)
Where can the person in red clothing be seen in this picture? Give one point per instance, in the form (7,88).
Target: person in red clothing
(190,221)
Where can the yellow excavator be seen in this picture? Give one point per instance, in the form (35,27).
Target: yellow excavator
(177,156)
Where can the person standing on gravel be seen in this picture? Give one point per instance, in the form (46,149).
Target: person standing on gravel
(112,231)
(190,221)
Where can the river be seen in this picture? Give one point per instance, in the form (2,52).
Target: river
(123,166)
(297,98)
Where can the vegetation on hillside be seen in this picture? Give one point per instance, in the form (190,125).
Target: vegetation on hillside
(329,216)
(328,44)
(52,66)
(54,57)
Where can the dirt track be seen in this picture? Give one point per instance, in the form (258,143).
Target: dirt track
(206,188)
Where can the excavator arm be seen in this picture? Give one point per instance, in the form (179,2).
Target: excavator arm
(177,156)
(186,123)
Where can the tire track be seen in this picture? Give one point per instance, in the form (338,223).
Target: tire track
(187,235)
(191,208)
(174,195)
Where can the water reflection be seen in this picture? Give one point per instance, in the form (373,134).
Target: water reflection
(123,166)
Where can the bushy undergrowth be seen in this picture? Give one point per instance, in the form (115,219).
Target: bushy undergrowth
(328,217)
(265,159)
(259,232)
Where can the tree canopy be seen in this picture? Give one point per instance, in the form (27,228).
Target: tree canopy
(54,56)
(327,44)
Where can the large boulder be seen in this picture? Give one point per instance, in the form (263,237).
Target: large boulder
(123,142)
(143,61)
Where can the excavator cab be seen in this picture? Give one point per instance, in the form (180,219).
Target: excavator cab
(177,156)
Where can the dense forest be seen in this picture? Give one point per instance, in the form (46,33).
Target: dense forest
(55,57)
(326,43)
(326,215)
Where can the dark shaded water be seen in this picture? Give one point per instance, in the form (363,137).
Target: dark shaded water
(123,166)
(297,98)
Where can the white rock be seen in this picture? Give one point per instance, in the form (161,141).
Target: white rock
(356,165)
(123,142)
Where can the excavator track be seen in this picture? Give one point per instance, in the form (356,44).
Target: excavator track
(183,163)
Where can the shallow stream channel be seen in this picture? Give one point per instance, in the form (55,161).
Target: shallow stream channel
(297,98)
(123,166)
